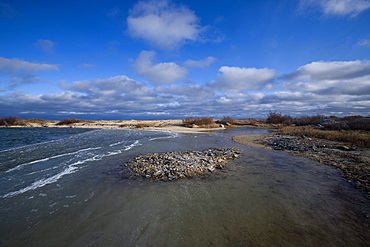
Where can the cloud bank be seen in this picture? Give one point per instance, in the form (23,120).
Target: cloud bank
(322,87)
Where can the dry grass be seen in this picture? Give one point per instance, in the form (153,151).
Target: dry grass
(359,138)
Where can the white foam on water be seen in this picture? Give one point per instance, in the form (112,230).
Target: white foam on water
(136,143)
(49,158)
(42,182)
(117,143)
(71,168)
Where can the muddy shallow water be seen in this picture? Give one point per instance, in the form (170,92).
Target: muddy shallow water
(263,198)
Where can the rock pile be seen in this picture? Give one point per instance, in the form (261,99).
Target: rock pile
(175,165)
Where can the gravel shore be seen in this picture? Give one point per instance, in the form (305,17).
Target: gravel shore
(352,161)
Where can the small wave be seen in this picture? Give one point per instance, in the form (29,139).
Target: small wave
(117,143)
(18,167)
(42,182)
(136,143)
(172,135)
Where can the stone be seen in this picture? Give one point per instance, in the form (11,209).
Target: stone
(175,165)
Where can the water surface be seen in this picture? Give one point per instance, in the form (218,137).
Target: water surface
(264,198)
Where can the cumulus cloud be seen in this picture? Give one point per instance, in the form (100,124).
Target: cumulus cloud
(117,85)
(161,73)
(236,92)
(46,45)
(187,92)
(331,70)
(200,63)
(341,77)
(236,79)
(163,24)
(338,7)
(14,64)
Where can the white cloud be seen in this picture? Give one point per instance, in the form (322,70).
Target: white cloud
(12,65)
(46,45)
(236,79)
(336,78)
(22,72)
(200,63)
(163,24)
(187,92)
(87,65)
(161,73)
(365,42)
(114,86)
(331,70)
(338,7)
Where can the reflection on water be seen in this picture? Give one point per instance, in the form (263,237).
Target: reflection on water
(264,198)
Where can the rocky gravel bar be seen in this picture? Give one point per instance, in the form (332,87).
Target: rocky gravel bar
(176,165)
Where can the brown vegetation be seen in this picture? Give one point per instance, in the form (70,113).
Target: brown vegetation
(352,129)
(10,121)
(228,121)
(278,118)
(68,121)
(349,123)
(361,139)
(201,122)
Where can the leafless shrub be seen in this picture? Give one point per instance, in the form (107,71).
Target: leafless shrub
(301,121)
(140,125)
(278,118)
(9,121)
(226,121)
(68,121)
(350,123)
(201,122)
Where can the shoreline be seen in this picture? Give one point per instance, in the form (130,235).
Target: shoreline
(351,161)
(172,125)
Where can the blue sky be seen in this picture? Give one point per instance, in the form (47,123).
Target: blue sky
(175,59)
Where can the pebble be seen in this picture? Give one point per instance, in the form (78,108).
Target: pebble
(175,165)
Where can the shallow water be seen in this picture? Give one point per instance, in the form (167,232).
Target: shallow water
(264,198)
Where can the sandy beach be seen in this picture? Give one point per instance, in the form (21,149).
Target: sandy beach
(173,125)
